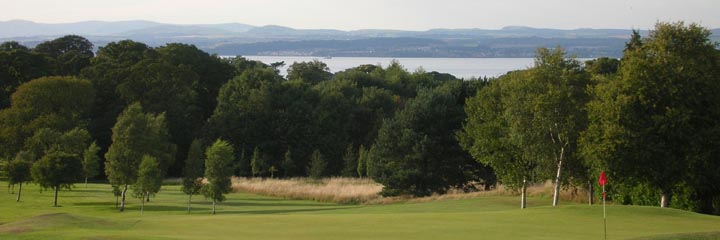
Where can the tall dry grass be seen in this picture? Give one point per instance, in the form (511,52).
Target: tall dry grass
(339,190)
(365,191)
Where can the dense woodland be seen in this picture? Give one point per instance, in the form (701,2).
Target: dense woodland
(133,114)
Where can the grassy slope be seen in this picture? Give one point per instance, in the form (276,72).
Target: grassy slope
(90,213)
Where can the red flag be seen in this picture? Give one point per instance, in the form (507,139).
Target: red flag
(602,179)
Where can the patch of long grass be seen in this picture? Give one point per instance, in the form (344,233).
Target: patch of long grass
(336,189)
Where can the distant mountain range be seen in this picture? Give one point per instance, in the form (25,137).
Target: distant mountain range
(243,39)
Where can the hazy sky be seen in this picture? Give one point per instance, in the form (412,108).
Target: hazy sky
(387,14)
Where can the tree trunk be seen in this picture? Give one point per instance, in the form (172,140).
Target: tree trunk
(556,195)
(142,206)
(122,202)
(56,193)
(85,182)
(523,200)
(189,201)
(590,193)
(147,198)
(213,206)
(19,191)
(664,200)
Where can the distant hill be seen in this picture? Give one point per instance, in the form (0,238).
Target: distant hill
(238,38)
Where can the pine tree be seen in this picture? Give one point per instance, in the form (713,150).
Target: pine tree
(318,166)
(351,161)
(257,163)
(288,165)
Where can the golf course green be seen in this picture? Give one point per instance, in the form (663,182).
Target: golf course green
(90,213)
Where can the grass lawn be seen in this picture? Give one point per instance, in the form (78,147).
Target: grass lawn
(89,213)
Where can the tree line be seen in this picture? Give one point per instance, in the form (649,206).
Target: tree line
(137,114)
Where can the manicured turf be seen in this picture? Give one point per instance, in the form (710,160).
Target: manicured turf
(89,213)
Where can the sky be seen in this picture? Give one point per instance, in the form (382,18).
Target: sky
(375,14)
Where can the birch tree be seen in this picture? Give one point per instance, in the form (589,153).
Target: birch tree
(218,159)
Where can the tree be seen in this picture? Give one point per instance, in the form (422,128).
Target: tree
(149,179)
(257,163)
(362,162)
(218,158)
(486,136)
(134,135)
(311,72)
(318,166)
(244,168)
(656,124)
(18,172)
(415,154)
(351,161)
(91,162)
(556,109)
(193,172)
(288,165)
(58,103)
(57,170)
(70,53)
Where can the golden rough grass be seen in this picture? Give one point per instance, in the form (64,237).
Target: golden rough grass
(337,189)
(365,191)
(538,190)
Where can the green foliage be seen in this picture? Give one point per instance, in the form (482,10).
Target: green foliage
(193,171)
(311,72)
(218,158)
(134,135)
(18,171)
(602,66)
(318,166)
(656,123)
(19,65)
(243,167)
(351,162)
(149,178)
(68,54)
(288,165)
(58,103)
(257,163)
(57,170)
(91,161)
(361,168)
(414,154)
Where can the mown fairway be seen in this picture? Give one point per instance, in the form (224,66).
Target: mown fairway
(89,213)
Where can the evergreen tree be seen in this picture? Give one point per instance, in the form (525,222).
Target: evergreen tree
(351,161)
(257,163)
(318,166)
(288,165)
(361,168)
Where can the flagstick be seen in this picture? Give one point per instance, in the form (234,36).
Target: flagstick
(604,215)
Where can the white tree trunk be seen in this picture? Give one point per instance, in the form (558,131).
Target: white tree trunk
(590,193)
(556,194)
(19,191)
(664,200)
(122,201)
(213,207)
(523,197)
(85,182)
